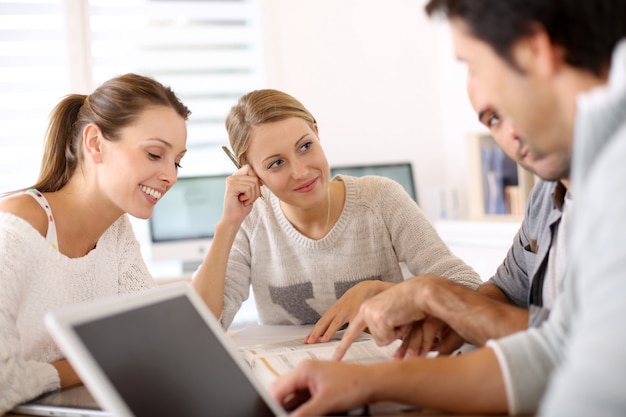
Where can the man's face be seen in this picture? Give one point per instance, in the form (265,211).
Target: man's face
(500,127)
(527,98)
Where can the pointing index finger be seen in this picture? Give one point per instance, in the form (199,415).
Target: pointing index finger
(355,328)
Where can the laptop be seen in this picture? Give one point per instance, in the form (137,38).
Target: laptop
(71,402)
(159,352)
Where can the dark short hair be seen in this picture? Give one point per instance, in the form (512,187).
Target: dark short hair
(588,30)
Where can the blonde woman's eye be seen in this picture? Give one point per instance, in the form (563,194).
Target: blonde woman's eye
(275,164)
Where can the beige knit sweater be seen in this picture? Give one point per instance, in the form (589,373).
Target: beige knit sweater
(296,279)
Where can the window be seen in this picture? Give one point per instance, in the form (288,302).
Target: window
(34,73)
(209,52)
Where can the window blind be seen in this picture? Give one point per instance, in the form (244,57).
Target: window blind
(34,74)
(208,51)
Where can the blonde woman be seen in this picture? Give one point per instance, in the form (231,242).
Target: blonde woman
(314,248)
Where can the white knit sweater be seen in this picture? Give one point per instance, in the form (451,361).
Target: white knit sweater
(34,279)
(296,279)
(575,360)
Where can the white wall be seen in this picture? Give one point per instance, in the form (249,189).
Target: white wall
(382,81)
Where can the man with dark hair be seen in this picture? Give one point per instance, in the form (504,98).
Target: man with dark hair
(558,69)
(525,287)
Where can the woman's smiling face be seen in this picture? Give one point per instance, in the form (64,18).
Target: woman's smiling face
(140,167)
(289,159)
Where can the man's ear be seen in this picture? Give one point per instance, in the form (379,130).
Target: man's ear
(92,142)
(536,54)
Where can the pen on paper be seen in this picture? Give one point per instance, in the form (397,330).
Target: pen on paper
(234,161)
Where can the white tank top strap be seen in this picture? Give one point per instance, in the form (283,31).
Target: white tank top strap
(51,234)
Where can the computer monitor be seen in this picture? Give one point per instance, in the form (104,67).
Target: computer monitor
(401,172)
(183,222)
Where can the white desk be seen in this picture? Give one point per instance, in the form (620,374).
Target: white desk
(254,334)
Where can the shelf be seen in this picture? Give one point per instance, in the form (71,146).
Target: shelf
(498,187)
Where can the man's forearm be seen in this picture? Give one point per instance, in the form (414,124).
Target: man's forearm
(474,316)
(470,383)
(493,291)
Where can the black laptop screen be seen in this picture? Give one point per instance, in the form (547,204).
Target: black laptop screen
(164,361)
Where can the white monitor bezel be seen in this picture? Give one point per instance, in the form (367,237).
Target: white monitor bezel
(61,323)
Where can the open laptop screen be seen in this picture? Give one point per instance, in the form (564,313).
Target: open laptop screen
(162,360)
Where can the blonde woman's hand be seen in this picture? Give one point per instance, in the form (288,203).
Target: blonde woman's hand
(243,188)
(344,310)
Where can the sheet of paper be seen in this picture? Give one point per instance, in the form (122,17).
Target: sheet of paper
(275,362)
(256,334)
(269,360)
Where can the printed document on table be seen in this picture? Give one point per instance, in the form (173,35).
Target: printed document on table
(269,360)
(274,350)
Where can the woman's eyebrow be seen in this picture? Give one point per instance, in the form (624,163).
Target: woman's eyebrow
(167,144)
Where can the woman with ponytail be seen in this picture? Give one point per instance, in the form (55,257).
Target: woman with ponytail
(67,238)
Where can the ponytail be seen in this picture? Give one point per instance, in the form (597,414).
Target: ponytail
(60,156)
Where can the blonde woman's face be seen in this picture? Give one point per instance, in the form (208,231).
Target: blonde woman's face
(289,159)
